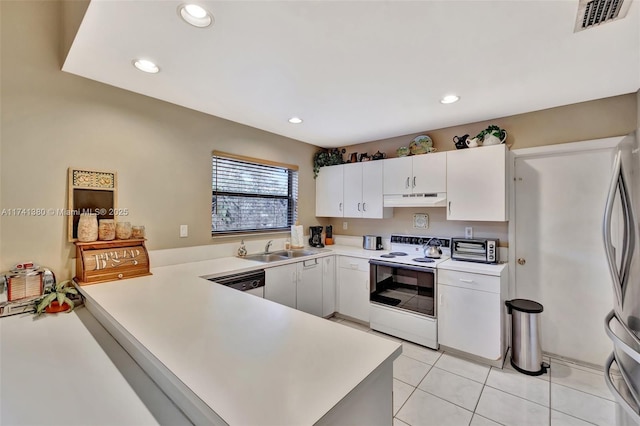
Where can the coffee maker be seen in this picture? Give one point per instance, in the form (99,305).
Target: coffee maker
(315,239)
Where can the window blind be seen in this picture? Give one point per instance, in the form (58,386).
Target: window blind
(251,195)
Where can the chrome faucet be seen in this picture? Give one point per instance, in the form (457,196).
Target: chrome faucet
(266,248)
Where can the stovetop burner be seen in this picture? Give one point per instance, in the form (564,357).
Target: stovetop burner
(423,260)
(388,256)
(398,253)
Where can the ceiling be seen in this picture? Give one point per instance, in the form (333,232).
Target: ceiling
(357,71)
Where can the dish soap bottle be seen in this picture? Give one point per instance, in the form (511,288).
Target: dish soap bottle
(242,251)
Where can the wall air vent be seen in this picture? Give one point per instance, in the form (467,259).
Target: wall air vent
(596,12)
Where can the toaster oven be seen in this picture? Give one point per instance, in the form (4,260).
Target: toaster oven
(475,250)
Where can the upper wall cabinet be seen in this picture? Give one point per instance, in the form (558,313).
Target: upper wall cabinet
(416,174)
(330,192)
(363,190)
(351,190)
(477,184)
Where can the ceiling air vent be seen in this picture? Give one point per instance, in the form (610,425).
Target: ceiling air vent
(595,12)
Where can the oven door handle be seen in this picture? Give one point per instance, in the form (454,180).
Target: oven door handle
(402,266)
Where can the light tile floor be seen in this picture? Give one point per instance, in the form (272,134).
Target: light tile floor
(436,388)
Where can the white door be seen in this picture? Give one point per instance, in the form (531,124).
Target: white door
(372,181)
(329,191)
(280,284)
(353,190)
(397,175)
(353,293)
(429,173)
(309,292)
(560,259)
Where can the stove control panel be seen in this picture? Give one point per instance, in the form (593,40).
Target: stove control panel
(418,240)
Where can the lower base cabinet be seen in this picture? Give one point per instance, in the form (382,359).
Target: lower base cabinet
(471,313)
(353,287)
(297,285)
(328,285)
(280,284)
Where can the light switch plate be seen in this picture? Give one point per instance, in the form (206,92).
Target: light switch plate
(184,231)
(468,232)
(421,221)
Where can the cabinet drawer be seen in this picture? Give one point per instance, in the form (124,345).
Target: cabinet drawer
(353,263)
(468,280)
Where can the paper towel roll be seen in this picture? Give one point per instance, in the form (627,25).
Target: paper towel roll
(297,236)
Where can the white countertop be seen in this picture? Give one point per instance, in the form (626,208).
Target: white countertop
(66,369)
(252,361)
(473,267)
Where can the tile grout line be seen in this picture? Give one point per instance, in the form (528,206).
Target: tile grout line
(412,392)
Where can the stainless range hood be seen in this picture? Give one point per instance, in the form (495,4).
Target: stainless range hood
(438,199)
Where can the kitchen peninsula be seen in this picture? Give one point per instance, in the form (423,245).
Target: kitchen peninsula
(225,357)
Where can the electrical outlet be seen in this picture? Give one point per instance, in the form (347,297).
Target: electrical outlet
(345,225)
(184,231)
(468,232)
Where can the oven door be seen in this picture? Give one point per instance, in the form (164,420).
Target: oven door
(406,287)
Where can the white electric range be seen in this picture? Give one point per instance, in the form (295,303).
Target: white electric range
(403,289)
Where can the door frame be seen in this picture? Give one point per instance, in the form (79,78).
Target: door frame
(543,151)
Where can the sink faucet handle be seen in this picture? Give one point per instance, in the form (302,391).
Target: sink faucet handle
(266,248)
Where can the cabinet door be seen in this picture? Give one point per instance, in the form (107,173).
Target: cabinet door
(309,292)
(353,190)
(329,191)
(328,285)
(353,293)
(477,184)
(397,175)
(469,320)
(372,182)
(280,284)
(429,173)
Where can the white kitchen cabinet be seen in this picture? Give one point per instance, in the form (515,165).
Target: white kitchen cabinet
(471,312)
(477,184)
(309,287)
(353,287)
(330,191)
(418,174)
(297,285)
(363,190)
(280,284)
(328,285)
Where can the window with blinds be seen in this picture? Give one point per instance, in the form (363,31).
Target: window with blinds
(252,195)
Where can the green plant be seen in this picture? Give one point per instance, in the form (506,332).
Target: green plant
(57,292)
(491,130)
(327,157)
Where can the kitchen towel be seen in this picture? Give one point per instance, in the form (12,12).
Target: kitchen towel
(297,236)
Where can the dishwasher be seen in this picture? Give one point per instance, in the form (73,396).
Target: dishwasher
(251,282)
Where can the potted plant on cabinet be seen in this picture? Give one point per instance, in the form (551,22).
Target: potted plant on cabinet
(56,299)
(327,157)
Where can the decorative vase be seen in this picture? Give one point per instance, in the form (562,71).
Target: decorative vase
(88,227)
(56,307)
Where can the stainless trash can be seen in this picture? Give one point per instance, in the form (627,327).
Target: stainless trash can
(526,353)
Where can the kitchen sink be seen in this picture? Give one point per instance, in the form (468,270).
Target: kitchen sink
(266,257)
(281,255)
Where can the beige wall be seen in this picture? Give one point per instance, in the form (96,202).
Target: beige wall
(601,118)
(52,120)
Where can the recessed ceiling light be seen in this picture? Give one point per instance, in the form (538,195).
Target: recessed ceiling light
(146,66)
(195,15)
(295,120)
(449,99)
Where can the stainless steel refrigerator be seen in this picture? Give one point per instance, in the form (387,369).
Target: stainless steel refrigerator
(621,240)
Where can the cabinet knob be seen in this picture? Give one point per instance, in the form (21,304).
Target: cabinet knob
(521,261)
(120,276)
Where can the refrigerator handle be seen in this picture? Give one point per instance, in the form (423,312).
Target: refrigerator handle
(617,341)
(614,390)
(618,276)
